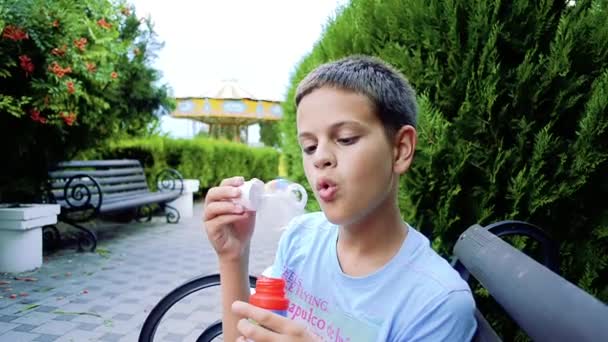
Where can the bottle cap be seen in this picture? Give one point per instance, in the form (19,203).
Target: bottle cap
(270,294)
(251,194)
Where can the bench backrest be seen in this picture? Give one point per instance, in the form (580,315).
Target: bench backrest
(113,178)
(545,305)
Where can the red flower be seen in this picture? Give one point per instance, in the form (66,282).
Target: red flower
(91,67)
(68,118)
(114,75)
(58,70)
(59,52)
(14,33)
(103,23)
(70,86)
(35,115)
(26,64)
(81,43)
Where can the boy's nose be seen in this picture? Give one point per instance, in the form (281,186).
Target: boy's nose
(324,161)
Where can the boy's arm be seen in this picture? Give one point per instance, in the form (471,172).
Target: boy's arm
(229,228)
(451,318)
(234,277)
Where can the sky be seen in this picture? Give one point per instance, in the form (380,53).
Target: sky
(256,42)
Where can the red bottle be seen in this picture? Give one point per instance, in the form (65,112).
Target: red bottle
(270,295)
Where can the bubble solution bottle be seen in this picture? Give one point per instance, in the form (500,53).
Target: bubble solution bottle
(270,295)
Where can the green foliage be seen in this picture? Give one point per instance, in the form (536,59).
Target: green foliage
(513,117)
(208,160)
(269,134)
(73,74)
(227,132)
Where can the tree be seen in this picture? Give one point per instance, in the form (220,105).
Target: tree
(74,74)
(513,120)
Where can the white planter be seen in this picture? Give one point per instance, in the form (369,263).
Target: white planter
(21,235)
(185,203)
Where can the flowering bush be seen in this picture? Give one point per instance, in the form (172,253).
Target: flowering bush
(72,75)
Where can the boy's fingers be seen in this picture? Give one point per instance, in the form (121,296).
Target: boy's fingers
(215,226)
(215,209)
(222,193)
(265,318)
(256,332)
(234,181)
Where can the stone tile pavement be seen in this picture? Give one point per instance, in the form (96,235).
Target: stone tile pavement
(106,296)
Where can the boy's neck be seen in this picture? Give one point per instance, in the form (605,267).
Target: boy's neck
(367,245)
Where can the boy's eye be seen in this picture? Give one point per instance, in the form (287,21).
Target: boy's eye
(309,149)
(348,141)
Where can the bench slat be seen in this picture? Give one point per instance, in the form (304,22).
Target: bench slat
(99,163)
(107,198)
(110,189)
(59,184)
(153,197)
(97,173)
(123,196)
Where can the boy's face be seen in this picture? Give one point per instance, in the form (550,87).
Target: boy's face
(348,159)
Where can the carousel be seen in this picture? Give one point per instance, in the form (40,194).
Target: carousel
(228,109)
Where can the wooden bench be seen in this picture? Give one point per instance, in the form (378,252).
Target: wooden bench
(545,305)
(86,189)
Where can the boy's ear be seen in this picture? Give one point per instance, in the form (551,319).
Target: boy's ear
(404,145)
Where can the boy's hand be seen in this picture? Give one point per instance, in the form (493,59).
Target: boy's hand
(272,327)
(229,226)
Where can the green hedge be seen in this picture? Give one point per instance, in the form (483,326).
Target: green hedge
(513,118)
(207,160)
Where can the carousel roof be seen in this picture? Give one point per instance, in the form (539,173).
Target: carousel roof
(228,89)
(228,103)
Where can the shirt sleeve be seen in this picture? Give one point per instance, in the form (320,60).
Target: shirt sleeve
(450,318)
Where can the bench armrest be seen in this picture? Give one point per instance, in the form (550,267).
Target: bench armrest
(170,180)
(549,249)
(545,305)
(82,192)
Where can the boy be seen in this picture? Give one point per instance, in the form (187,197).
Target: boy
(355,271)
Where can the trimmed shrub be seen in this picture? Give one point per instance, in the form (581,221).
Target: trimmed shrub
(513,118)
(207,160)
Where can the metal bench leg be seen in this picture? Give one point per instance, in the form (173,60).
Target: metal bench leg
(87,239)
(144,214)
(51,236)
(173,215)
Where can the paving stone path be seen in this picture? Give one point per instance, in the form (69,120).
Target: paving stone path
(105,296)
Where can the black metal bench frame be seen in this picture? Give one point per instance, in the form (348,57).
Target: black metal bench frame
(534,295)
(86,189)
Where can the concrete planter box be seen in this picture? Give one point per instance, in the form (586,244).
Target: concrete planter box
(185,203)
(21,235)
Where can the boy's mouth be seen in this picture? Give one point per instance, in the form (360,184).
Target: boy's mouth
(326,190)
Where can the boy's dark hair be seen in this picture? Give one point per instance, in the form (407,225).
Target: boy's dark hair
(390,92)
